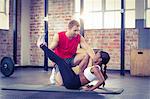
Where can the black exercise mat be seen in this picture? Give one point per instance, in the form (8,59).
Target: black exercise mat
(53,88)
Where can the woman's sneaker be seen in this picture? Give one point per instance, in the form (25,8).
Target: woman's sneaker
(41,40)
(52,77)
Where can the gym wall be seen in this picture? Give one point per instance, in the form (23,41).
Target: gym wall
(60,12)
(6,36)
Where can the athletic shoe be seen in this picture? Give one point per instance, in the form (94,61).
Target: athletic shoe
(52,77)
(41,40)
(52,80)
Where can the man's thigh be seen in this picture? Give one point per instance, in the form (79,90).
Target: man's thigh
(78,58)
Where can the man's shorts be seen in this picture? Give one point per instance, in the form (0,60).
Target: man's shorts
(68,61)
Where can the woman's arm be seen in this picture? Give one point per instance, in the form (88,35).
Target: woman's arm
(99,76)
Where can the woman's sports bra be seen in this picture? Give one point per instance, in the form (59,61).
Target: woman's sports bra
(87,73)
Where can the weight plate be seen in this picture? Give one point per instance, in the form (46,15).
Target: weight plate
(7,66)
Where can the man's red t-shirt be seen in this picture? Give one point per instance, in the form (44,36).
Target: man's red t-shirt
(67,47)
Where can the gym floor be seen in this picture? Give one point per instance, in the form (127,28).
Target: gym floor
(134,87)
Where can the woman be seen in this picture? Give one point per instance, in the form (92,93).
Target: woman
(70,79)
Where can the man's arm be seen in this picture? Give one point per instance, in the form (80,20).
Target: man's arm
(54,42)
(85,46)
(53,45)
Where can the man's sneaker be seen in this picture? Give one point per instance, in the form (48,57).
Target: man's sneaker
(41,40)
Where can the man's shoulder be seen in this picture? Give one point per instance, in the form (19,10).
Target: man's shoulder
(62,32)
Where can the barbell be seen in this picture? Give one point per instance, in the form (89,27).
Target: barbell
(7,66)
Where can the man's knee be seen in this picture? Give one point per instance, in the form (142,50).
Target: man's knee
(80,57)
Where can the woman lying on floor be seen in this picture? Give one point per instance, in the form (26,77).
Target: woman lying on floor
(70,79)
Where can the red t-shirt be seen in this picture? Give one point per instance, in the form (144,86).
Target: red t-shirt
(67,47)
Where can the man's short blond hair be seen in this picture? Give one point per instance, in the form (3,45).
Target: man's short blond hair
(73,23)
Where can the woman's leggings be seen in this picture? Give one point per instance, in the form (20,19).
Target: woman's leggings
(70,79)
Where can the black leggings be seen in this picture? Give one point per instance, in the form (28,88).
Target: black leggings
(70,79)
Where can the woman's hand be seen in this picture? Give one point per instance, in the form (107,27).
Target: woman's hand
(52,64)
(85,88)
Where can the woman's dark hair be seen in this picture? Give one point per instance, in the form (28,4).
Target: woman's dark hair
(105,57)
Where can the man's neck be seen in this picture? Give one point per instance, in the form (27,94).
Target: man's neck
(68,35)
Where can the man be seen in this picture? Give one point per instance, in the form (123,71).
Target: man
(65,45)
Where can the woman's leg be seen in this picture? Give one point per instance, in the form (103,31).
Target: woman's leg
(70,79)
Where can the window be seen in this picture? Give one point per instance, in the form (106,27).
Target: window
(113,5)
(105,13)
(77,10)
(93,20)
(92,15)
(4,14)
(148,13)
(2,7)
(112,19)
(130,14)
(112,15)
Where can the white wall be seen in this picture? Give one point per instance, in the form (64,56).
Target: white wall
(25,31)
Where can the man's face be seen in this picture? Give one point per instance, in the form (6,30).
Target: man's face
(74,31)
